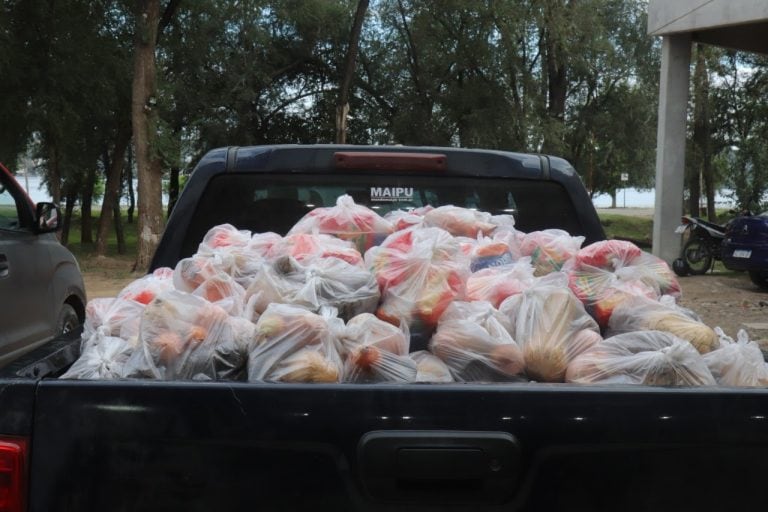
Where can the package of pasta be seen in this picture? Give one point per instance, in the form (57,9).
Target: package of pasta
(308,247)
(376,351)
(419,272)
(550,249)
(503,248)
(474,341)
(552,329)
(293,344)
(496,284)
(460,221)
(145,289)
(430,368)
(651,358)
(737,363)
(405,219)
(185,337)
(641,314)
(349,221)
(319,283)
(102,357)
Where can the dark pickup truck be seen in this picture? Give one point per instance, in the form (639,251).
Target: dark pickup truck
(70,445)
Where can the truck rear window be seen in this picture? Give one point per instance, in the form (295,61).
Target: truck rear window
(275,202)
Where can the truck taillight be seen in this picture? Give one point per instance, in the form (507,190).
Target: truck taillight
(13,457)
(390,161)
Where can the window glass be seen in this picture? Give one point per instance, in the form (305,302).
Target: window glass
(275,202)
(9,212)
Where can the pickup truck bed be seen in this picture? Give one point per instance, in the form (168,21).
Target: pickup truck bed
(149,445)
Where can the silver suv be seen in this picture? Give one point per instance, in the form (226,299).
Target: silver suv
(41,289)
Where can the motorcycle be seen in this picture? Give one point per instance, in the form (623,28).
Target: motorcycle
(702,248)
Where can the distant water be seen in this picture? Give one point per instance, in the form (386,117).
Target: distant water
(38,191)
(634,198)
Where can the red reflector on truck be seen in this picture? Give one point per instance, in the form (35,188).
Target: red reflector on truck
(13,455)
(389,161)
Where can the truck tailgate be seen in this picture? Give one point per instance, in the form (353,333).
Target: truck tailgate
(216,446)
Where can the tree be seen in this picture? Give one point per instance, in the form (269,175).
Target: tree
(145,121)
(342,107)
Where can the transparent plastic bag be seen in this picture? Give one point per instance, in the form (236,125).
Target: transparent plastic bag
(222,289)
(185,337)
(737,363)
(349,221)
(605,273)
(552,328)
(642,314)
(430,368)
(102,357)
(406,219)
(550,249)
(495,284)
(223,236)
(652,358)
(293,344)
(235,252)
(602,291)
(321,282)
(192,272)
(308,247)
(499,250)
(376,351)
(145,289)
(112,317)
(473,340)
(460,221)
(420,272)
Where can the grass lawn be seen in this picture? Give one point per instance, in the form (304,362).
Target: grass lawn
(86,253)
(635,229)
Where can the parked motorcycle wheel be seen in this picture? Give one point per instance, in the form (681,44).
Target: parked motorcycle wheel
(760,278)
(697,256)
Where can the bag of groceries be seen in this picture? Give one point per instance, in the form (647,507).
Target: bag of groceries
(651,358)
(376,351)
(349,221)
(473,340)
(495,284)
(293,344)
(551,327)
(550,249)
(737,363)
(430,368)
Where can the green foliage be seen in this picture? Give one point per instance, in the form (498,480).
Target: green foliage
(625,227)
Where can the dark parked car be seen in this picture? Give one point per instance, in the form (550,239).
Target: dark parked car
(41,288)
(746,247)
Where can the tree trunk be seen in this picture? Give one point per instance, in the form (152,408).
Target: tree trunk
(613,198)
(556,69)
(342,106)
(129,183)
(86,217)
(144,117)
(112,188)
(118,221)
(67,222)
(54,175)
(173,188)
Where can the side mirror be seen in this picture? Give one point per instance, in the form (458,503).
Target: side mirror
(48,218)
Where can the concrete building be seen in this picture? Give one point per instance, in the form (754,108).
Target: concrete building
(737,24)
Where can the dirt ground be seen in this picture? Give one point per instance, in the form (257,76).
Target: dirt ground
(725,299)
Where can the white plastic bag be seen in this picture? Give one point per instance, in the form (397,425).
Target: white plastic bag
(737,363)
(653,358)
(430,368)
(376,351)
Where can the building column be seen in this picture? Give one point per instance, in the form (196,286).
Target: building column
(670,145)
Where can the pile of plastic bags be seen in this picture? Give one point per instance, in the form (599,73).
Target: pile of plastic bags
(429,295)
